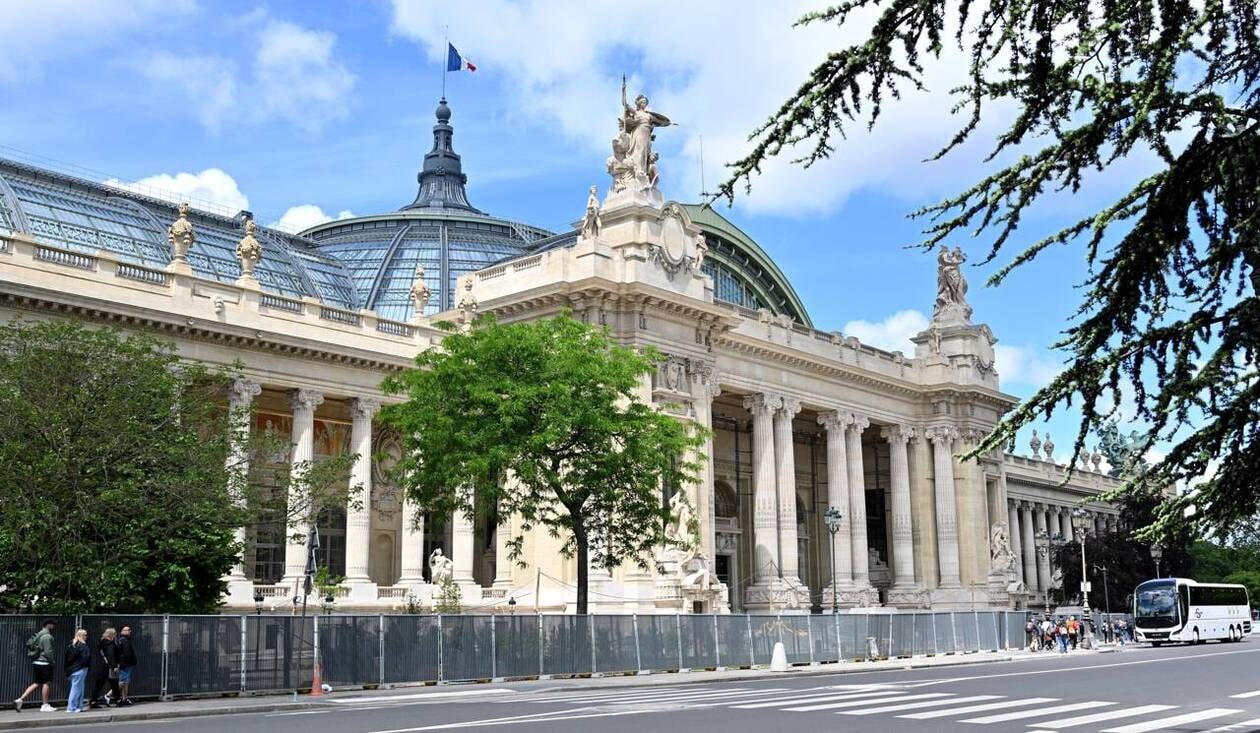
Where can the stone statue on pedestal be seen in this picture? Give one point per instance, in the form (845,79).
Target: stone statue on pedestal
(1002,559)
(248,250)
(591,223)
(951,286)
(180,235)
(420,292)
(440,567)
(633,164)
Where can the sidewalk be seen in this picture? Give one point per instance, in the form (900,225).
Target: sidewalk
(30,717)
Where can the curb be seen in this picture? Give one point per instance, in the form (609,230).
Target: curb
(566,684)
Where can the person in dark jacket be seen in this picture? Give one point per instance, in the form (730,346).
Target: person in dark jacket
(105,669)
(78,660)
(126,663)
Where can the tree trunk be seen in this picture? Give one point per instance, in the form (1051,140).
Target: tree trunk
(579,538)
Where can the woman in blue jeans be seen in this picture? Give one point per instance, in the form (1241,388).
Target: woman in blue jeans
(78,661)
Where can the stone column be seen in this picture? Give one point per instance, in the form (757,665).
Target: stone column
(902,527)
(463,547)
(359,520)
(412,567)
(1043,561)
(857,501)
(946,510)
(765,509)
(704,389)
(838,497)
(785,479)
(1029,547)
(303,403)
(1069,532)
(240,393)
(503,565)
(923,508)
(1017,540)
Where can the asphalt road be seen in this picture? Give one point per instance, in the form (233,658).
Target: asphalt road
(1213,687)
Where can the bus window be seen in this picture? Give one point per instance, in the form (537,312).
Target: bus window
(1184,595)
(1155,604)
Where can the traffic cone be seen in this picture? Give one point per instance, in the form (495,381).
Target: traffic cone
(317,683)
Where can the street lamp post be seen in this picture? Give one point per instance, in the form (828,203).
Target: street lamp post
(1042,543)
(1106,597)
(1081,524)
(1157,554)
(832,517)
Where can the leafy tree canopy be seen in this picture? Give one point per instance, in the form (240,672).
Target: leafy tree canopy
(1171,305)
(543,421)
(120,489)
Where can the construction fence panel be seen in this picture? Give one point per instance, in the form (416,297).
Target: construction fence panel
(765,632)
(990,624)
(966,630)
(466,648)
(944,641)
(879,627)
(203,654)
(15,665)
(699,641)
(658,642)
(279,653)
(567,647)
(350,650)
(516,646)
(412,649)
(823,637)
(146,639)
(795,632)
(903,635)
(734,641)
(853,644)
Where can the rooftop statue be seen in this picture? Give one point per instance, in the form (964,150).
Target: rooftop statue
(591,223)
(951,286)
(633,164)
(420,292)
(248,251)
(180,235)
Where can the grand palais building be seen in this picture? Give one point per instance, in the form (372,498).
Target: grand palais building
(802,418)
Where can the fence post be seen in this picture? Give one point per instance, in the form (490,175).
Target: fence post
(888,652)
(638,656)
(752,651)
(590,625)
(978,643)
(778,621)
(540,643)
(494,648)
(835,623)
(244,646)
(717,645)
(678,638)
(166,652)
(953,624)
(809,631)
(380,633)
(441,644)
(935,645)
(315,650)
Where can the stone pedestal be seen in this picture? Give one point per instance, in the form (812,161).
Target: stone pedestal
(775,595)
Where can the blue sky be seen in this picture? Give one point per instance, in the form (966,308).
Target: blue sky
(289,106)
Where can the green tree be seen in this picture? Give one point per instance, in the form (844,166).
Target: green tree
(119,493)
(449,598)
(543,421)
(1171,305)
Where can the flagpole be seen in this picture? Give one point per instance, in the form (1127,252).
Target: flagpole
(446,55)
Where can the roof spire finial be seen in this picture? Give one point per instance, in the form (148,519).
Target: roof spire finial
(442,176)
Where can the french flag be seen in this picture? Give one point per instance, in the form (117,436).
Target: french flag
(455,62)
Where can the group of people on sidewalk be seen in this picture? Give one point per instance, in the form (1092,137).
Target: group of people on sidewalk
(90,668)
(1067,634)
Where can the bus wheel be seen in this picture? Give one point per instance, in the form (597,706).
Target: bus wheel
(1197,640)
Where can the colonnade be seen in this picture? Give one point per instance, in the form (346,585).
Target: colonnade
(1027,519)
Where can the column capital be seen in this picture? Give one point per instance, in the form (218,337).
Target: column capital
(894,433)
(241,391)
(762,402)
(943,435)
(706,376)
(831,420)
(364,407)
(305,399)
(972,435)
(856,422)
(790,406)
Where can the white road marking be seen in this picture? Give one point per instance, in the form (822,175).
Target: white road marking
(917,705)
(980,708)
(658,697)
(609,692)
(815,698)
(1243,695)
(516,720)
(1097,717)
(1172,722)
(1025,714)
(424,696)
(858,703)
(299,712)
(1246,725)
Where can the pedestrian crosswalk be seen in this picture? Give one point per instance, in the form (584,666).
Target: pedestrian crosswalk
(911,702)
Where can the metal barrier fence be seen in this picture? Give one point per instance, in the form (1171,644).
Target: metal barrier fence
(215,655)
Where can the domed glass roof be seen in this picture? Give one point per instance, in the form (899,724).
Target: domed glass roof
(440,231)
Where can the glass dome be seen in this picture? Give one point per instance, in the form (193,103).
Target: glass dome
(440,231)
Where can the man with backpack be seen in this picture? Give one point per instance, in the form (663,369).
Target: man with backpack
(39,649)
(126,663)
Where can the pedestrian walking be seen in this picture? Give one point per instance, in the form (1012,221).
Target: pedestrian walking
(39,649)
(78,661)
(1062,632)
(126,664)
(1073,631)
(105,669)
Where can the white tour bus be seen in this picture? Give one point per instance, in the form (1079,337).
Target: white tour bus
(1179,609)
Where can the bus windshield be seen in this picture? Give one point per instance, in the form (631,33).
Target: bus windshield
(1156,604)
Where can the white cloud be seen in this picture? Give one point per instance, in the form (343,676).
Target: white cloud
(212,188)
(304,216)
(36,32)
(715,72)
(1025,365)
(892,334)
(294,76)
